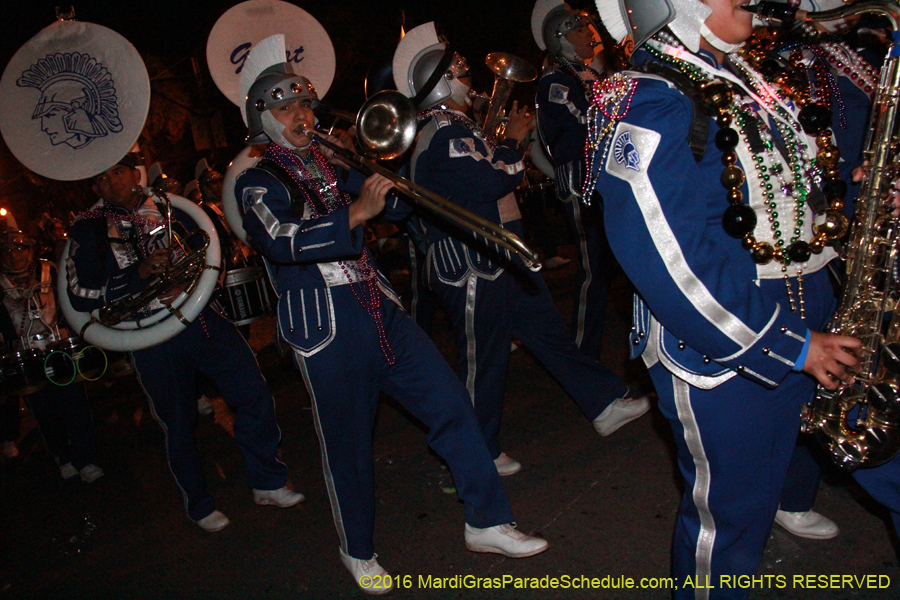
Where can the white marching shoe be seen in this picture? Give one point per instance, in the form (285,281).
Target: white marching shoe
(810,524)
(214,521)
(620,412)
(507,465)
(371,577)
(282,497)
(504,539)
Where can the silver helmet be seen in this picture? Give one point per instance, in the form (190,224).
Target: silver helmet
(556,25)
(273,87)
(452,66)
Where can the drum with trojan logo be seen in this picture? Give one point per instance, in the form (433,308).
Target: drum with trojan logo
(73,102)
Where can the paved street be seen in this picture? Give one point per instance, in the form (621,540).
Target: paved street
(607,505)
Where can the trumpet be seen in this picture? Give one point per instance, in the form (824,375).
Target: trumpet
(386,128)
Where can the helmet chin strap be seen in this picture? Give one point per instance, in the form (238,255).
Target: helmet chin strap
(275,130)
(717,42)
(459,92)
(567,49)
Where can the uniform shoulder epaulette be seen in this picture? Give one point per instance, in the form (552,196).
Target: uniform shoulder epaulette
(442,121)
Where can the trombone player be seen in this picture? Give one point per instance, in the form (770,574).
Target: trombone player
(490,296)
(350,337)
(117,247)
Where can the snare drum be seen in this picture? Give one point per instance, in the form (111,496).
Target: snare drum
(24,372)
(248,295)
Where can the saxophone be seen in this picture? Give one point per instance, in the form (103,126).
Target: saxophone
(859,424)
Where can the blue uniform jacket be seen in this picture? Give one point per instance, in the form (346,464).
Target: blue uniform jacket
(301,254)
(450,160)
(562,119)
(94,276)
(701,309)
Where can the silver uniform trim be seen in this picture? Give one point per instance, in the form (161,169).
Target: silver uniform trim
(455,253)
(72,276)
(303,311)
(761,333)
(318,310)
(319,226)
(782,359)
(314,246)
(698,380)
(326,465)
(799,338)
(588,275)
(760,377)
(290,312)
(646,142)
(471,363)
(343,272)
(272,225)
(706,538)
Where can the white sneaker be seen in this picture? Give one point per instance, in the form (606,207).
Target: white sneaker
(10,450)
(504,539)
(67,471)
(620,412)
(371,577)
(214,521)
(282,498)
(204,406)
(810,524)
(507,466)
(90,473)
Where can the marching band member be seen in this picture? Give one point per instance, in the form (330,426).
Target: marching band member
(725,325)
(116,248)
(562,103)
(350,337)
(29,313)
(489,296)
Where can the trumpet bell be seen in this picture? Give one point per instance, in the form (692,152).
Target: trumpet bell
(511,67)
(386,125)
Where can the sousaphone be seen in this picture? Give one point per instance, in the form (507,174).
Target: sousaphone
(73,101)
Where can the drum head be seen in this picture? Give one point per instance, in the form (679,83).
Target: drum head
(73,100)
(309,49)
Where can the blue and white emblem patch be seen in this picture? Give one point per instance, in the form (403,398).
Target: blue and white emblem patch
(461,147)
(625,153)
(559,93)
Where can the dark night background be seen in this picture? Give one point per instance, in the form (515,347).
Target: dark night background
(171,37)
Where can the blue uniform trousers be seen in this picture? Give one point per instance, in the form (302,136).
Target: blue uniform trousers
(345,380)
(64,418)
(735,443)
(212,346)
(595,262)
(883,484)
(487,314)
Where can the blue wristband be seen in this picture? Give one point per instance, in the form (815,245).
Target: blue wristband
(801,360)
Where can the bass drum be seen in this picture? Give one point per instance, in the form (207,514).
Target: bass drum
(247,296)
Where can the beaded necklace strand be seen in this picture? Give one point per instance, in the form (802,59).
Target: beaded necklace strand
(314,173)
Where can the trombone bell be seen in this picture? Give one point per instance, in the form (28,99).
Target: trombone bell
(386,125)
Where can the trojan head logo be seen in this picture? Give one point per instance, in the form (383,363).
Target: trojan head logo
(625,153)
(78,99)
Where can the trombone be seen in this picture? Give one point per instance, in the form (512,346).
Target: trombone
(386,128)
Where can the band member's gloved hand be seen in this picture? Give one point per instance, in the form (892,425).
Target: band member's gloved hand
(520,123)
(828,358)
(371,199)
(154,264)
